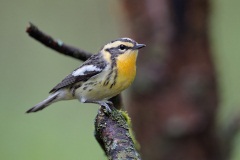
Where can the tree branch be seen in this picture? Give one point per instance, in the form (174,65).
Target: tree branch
(56,45)
(111,130)
(113,134)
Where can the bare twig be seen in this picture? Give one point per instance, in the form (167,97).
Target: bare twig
(57,45)
(111,130)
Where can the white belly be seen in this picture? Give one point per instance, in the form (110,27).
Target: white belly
(95,90)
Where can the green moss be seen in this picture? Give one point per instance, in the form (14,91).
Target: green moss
(131,133)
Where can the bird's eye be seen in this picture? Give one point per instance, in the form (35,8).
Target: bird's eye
(122,47)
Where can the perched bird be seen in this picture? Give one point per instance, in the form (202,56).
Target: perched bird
(101,77)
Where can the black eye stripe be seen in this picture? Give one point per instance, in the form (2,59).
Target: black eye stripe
(118,47)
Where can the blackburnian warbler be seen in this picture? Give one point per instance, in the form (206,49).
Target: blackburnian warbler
(101,77)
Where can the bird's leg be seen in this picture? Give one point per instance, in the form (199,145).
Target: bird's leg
(106,104)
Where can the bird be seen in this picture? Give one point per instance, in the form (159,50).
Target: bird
(101,77)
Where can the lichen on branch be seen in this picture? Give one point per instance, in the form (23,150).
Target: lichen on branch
(113,134)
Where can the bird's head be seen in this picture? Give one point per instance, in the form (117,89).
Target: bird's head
(122,47)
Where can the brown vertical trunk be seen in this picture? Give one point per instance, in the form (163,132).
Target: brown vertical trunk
(174,98)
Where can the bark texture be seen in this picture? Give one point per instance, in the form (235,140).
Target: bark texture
(113,134)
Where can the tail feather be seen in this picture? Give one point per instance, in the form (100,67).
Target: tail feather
(52,98)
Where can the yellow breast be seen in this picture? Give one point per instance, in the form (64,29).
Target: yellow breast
(126,64)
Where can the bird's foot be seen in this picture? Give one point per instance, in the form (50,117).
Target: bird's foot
(108,105)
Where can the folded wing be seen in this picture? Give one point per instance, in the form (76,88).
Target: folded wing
(93,66)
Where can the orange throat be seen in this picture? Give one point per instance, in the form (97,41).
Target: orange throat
(126,64)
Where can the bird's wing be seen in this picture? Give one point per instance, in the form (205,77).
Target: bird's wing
(93,66)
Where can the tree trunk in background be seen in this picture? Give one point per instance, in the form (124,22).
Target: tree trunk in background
(174,98)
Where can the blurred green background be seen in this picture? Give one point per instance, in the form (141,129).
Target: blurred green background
(29,70)
(225,39)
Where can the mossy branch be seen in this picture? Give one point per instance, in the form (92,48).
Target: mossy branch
(111,129)
(114,135)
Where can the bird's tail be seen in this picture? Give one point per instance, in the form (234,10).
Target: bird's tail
(52,98)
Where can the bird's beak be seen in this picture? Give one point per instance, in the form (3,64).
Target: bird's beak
(139,46)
